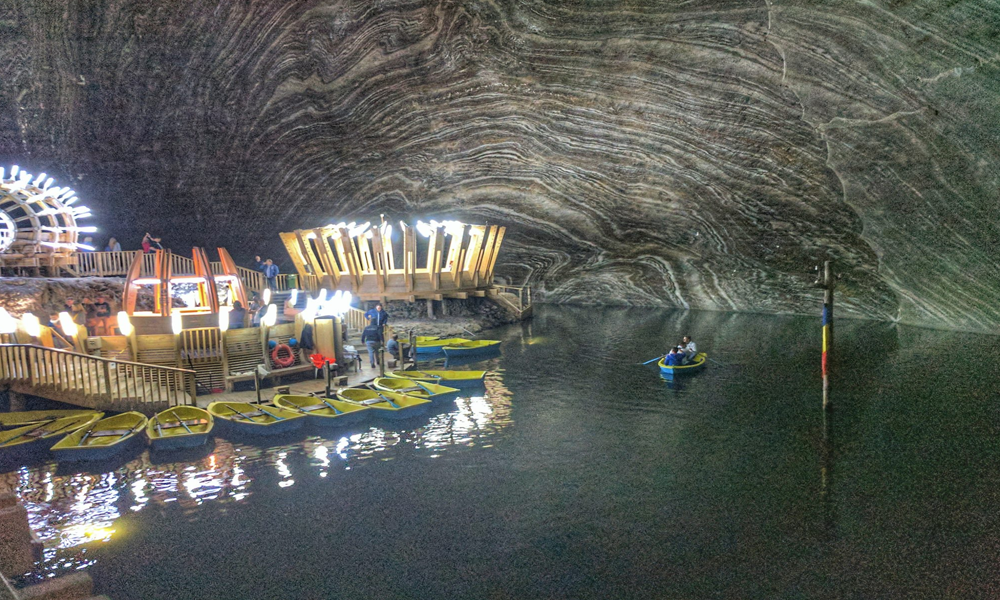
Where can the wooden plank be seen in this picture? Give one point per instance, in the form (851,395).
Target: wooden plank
(496,253)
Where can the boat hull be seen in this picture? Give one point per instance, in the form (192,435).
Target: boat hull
(97,453)
(425,377)
(177,443)
(408,406)
(453,352)
(258,429)
(170,436)
(122,432)
(699,363)
(321,418)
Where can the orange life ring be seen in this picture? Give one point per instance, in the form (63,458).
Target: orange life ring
(278,360)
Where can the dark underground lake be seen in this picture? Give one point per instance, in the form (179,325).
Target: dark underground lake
(579,473)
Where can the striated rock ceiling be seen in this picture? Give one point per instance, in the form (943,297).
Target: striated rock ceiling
(702,153)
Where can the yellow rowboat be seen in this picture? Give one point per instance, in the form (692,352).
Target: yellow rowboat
(388,405)
(324,412)
(37,435)
(434,345)
(255,419)
(179,427)
(418,389)
(102,439)
(19,419)
(455,379)
(695,365)
(470,348)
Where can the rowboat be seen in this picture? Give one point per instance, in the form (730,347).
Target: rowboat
(102,439)
(27,417)
(388,405)
(179,427)
(37,435)
(418,389)
(323,412)
(255,419)
(470,348)
(455,379)
(696,365)
(434,345)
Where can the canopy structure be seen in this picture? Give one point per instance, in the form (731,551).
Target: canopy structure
(164,270)
(38,222)
(457,259)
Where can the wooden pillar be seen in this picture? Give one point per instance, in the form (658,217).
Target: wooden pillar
(444,308)
(430,308)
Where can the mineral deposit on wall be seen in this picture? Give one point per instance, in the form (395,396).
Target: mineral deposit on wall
(704,153)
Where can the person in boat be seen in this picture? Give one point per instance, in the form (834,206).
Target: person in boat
(675,357)
(371,337)
(237,316)
(690,349)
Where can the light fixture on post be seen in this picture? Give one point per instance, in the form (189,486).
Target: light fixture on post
(176,323)
(267,295)
(8,327)
(31,325)
(224,318)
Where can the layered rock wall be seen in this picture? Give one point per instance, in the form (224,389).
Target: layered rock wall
(702,154)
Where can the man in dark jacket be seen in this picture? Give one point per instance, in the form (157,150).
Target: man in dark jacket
(372,339)
(270,271)
(378,316)
(237,316)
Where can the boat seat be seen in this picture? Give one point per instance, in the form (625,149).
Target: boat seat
(372,401)
(313,407)
(175,424)
(107,432)
(415,388)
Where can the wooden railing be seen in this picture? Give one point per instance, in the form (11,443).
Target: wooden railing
(104,264)
(93,381)
(355,319)
(517,298)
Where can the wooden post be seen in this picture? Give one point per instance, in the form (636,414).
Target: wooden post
(413,350)
(826,282)
(430,308)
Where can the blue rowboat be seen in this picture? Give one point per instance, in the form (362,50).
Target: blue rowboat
(255,419)
(179,427)
(471,348)
(323,412)
(692,367)
(101,440)
(32,436)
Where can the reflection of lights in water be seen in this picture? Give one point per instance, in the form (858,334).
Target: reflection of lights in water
(70,512)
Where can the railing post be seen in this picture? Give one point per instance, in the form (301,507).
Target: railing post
(107,379)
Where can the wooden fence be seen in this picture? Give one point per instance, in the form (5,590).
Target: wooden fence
(92,381)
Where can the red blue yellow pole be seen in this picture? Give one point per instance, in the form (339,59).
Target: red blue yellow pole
(827,285)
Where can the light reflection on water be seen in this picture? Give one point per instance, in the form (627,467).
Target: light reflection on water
(72,511)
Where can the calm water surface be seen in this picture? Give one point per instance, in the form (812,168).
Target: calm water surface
(578,473)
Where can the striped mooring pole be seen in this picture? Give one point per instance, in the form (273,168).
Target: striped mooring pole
(826,282)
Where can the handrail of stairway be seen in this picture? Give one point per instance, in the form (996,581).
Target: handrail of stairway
(99,358)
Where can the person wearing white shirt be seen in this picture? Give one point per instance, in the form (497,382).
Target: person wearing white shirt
(690,349)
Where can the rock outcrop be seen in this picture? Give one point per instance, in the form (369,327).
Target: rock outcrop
(701,154)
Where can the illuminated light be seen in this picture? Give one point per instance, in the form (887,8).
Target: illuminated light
(224,318)
(82,229)
(31,325)
(311,235)
(424,229)
(67,325)
(48,182)
(271,316)
(146,281)
(13,171)
(368,234)
(8,324)
(85,247)
(124,323)
(295,296)
(39,181)
(176,323)
(71,201)
(267,295)
(356,231)
(321,296)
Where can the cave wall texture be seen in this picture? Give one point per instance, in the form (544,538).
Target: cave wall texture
(700,153)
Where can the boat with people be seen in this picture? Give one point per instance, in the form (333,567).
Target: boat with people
(455,379)
(179,427)
(430,391)
(432,345)
(31,434)
(255,419)
(388,405)
(322,412)
(101,439)
(470,348)
(696,364)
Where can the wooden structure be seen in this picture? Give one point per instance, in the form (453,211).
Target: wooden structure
(430,261)
(162,270)
(38,223)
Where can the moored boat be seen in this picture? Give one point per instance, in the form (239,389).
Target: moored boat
(179,427)
(323,412)
(38,435)
(471,348)
(419,389)
(102,439)
(10,420)
(388,405)
(434,345)
(695,365)
(255,419)
(455,379)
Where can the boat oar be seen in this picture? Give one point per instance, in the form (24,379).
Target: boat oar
(85,436)
(336,410)
(275,417)
(391,403)
(653,360)
(32,430)
(156,420)
(183,424)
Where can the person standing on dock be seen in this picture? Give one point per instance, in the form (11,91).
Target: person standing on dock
(371,337)
(378,316)
(113,246)
(270,271)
